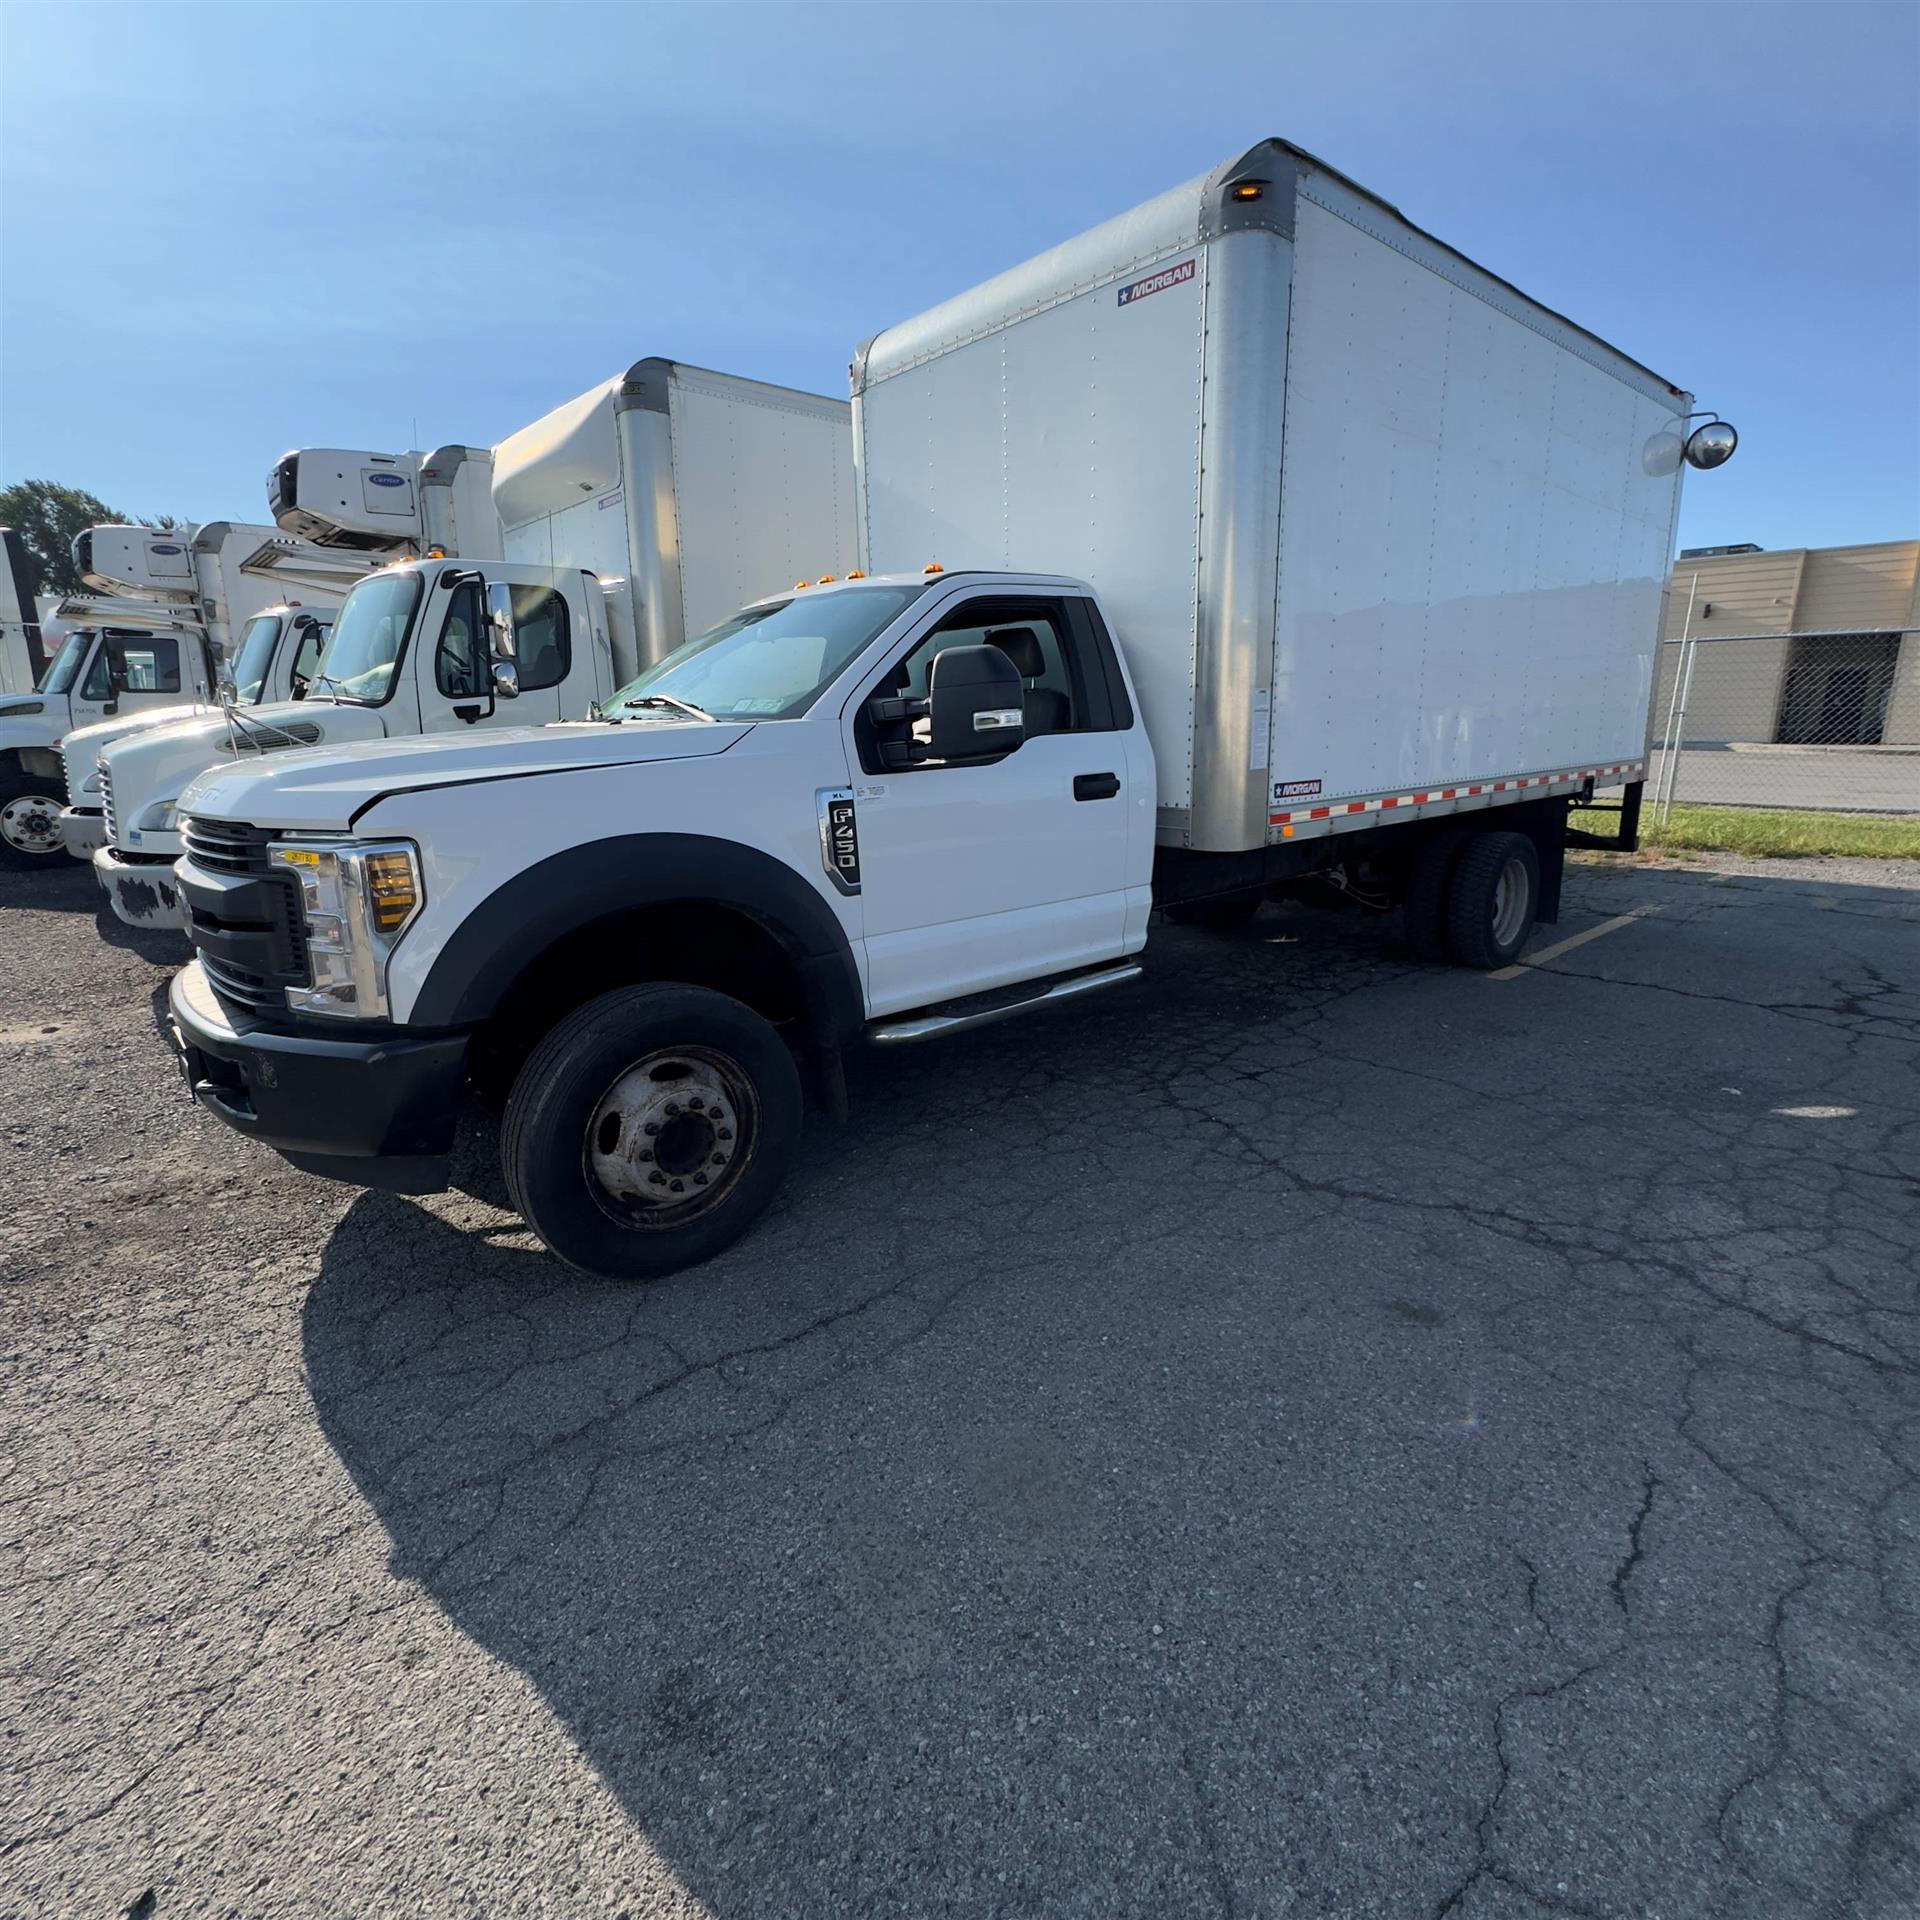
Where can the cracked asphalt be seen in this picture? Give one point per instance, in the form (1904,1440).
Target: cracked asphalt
(1304,1435)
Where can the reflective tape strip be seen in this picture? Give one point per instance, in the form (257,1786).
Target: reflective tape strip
(1442,796)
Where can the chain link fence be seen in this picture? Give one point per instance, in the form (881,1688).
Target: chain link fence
(1827,721)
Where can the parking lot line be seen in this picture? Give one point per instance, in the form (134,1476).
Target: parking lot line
(1530,961)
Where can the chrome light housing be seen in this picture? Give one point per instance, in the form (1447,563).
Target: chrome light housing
(357,898)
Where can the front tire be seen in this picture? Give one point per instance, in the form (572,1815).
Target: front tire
(1492,900)
(29,822)
(650,1129)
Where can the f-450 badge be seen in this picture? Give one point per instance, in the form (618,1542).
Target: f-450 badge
(839,838)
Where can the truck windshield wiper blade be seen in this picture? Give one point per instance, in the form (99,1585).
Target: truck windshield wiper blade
(667,700)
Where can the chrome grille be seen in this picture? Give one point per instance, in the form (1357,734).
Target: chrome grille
(106,804)
(220,846)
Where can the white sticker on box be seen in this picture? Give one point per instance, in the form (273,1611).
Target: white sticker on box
(1257,739)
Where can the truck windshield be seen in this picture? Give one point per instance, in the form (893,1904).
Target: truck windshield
(368,633)
(64,667)
(768,662)
(255,656)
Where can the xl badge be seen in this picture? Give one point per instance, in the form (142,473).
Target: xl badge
(839,837)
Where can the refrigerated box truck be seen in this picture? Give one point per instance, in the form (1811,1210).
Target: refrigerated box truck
(685,491)
(663,495)
(1252,541)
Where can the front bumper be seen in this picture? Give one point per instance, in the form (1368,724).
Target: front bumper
(379,1111)
(83,831)
(143,893)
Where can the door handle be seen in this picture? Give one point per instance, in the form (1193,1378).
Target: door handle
(1095,786)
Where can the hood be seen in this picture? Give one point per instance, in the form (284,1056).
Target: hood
(84,745)
(325,788)
(32,720)
(155,763)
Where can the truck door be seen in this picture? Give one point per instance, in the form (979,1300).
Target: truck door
(455,671)
(979,874)
(130,670)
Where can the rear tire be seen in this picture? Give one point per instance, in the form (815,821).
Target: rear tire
(30,808)
(1424,910)
(649,1129)
(1493,897)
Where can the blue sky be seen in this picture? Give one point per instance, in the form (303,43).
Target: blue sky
(227,230)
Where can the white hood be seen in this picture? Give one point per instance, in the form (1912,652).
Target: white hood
(156,763)
(324,788)
(84,745)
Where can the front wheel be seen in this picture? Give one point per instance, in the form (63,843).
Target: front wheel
(650,1129)
(29,821)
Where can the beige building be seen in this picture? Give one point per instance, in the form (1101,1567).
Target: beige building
(1811,646)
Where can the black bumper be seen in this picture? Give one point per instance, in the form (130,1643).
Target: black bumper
(379,1111)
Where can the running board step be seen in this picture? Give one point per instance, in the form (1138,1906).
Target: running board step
(965,1014)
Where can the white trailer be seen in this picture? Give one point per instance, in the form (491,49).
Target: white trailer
(1251,543)
(687,492)
(23,654)
(392,504)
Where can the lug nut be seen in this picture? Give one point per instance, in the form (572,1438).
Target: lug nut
(726,1133)
(657,1179)
(652,1127)
(677,1186)
(719,1159)
(644,1155)
(693,1106)
(673,1106)
(699,1179)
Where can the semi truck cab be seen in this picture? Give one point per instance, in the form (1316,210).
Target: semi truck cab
(432,646)
(100,671)
(277,655)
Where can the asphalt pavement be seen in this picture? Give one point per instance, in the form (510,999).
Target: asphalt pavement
(1306,1434)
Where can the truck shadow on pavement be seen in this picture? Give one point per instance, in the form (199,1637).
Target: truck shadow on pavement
(1113,1481)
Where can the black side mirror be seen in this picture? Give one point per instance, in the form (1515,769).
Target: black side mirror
(975,704)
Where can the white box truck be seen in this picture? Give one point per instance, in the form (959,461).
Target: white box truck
(1366,555)
(665,494)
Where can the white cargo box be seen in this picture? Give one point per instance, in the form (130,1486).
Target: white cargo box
(1376,529)
(688,493)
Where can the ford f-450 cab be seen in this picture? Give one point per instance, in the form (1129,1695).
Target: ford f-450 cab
(1359,555)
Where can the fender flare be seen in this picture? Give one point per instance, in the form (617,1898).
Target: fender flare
(558,896)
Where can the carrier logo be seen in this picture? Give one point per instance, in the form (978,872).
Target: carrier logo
(1295,789)
(386,480)
(161,546)
(839,838)
(1157,282)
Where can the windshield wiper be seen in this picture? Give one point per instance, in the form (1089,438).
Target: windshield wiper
(667,700)
(325,679)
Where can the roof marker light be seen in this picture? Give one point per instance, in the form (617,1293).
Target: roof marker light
(825,580)
(854,573)
(933,566)
(1248,190)
(800,586)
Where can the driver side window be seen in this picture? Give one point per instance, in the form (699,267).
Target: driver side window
(459,666)
(98,684)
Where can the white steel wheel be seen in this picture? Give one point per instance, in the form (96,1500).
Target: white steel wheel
(1493,898)
(29,824)
(672,1136)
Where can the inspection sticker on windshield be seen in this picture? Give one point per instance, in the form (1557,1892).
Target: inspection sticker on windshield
(1156,282)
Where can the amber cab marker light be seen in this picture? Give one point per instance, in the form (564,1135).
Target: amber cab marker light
(1248,190)
(854,573)
(933,566)
(825,580)
(800,586)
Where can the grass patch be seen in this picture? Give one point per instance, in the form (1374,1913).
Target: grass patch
(1768,833)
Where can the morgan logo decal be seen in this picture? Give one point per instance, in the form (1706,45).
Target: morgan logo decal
(839,838)
(1295,789)
(1156,283)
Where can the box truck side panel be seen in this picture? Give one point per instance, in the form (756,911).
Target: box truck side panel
(1068,441)
(1471,552)
(763,493)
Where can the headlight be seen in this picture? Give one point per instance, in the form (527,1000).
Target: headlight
(358,897)
(161,817)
